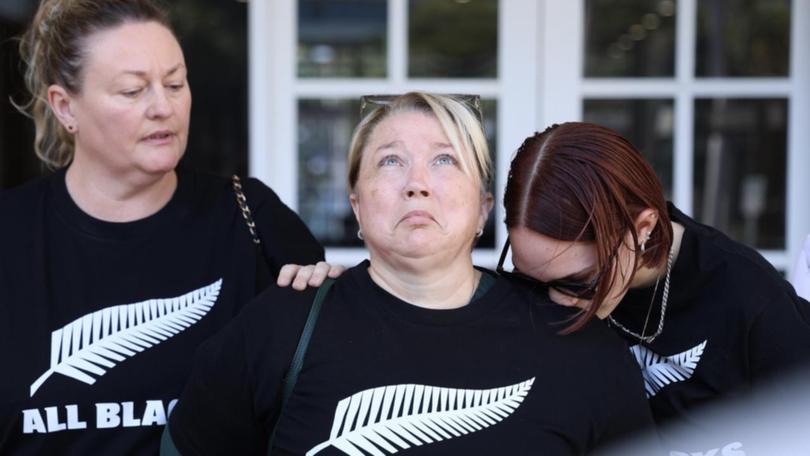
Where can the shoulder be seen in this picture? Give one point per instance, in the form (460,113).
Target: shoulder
(19,205)
(725,263)
(21,197)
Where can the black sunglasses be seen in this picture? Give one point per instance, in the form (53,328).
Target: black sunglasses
(571,288)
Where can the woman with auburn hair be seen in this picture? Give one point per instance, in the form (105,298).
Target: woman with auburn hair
(707,318)
(116,266)
(414,350)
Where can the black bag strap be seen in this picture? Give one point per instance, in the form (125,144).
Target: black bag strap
(263,274)
(241,200)
(298,358)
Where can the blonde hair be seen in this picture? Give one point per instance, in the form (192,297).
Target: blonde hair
(53,51)
(458,122)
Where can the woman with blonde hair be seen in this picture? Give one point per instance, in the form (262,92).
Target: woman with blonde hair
(415,349)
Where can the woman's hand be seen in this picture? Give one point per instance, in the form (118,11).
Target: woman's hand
(310,275)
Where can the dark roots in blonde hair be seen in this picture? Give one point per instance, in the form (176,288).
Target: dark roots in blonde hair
(52,49)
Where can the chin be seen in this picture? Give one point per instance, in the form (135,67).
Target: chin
(159,163)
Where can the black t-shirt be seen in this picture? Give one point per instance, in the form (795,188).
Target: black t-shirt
(732,322)
(380,374)
(99,321)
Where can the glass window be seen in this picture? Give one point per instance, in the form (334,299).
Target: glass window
(213,35)
(629,38)
(18,163)
(324,133)
(342,38)
(489,110)
(740,166)
(743,38)
(453,38)
(647,123)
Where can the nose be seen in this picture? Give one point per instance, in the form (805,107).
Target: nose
(160,106)
(417,184)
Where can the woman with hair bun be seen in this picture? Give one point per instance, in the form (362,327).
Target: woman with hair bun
(115,267)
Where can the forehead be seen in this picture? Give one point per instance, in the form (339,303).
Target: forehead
(132,46)
(407,126)
(547,259)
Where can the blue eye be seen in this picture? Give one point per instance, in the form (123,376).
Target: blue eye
(390,160)
(446,159)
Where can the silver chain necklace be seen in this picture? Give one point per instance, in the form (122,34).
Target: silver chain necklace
(641,337)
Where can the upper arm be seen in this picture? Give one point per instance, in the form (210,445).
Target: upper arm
(779,332)
(215,413)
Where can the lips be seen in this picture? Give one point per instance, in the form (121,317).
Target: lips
(159,136)
(417,217)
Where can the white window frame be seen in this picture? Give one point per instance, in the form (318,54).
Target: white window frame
(540,57)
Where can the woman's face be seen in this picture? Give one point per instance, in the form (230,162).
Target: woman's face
(132,113)
(547,260)
(412,198)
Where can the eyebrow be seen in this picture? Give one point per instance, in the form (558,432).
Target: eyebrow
(388,145)
(171,71)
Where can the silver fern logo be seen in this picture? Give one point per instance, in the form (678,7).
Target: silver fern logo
(90,345)
(390,418)
(660,371)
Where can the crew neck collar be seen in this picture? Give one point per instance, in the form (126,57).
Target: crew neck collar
(67,209)
(484,301)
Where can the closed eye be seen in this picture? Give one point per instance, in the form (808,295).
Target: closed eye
(131,93)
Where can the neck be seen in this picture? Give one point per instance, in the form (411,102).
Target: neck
(433,288)
(118,198)
(646,276)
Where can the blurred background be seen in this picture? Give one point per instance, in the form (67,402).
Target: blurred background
(715,93)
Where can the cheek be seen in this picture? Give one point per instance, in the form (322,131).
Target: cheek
(564,300)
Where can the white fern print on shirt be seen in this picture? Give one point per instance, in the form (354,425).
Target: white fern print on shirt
(660,371)
(96,342)
(390,418)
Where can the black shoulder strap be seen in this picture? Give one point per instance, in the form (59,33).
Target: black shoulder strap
(298,357)
(263,274)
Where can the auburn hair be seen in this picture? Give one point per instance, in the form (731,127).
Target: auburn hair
(582,182)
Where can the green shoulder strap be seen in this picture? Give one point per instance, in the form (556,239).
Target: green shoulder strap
(298,357)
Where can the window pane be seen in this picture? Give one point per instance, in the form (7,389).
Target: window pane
(489,110)
(324,132)
(646,123)
(453,38)
(342,38)
(743,38)
(18,163)
(214,39)
(740,161)
(627,38)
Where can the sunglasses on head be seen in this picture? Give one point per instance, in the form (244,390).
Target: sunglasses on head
(369,103)
(572,288)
